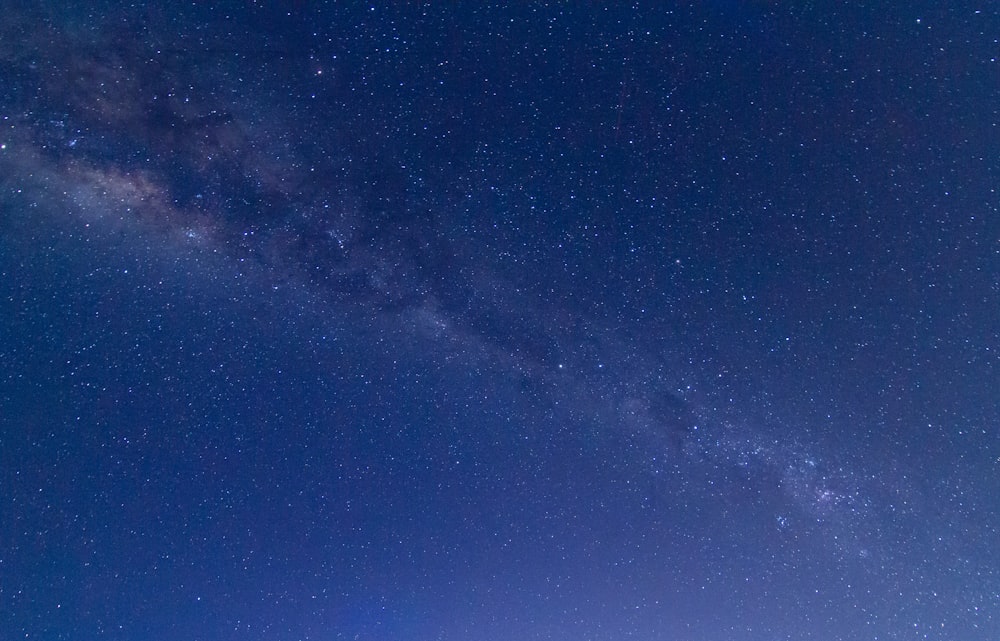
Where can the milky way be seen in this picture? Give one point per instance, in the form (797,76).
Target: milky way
(672,336)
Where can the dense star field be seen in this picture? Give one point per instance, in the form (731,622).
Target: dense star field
(445,322)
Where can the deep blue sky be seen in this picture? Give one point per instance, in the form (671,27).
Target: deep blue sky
(546,322)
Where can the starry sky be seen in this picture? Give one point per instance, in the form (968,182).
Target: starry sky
(411,321)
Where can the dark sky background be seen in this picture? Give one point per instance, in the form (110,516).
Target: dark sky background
(445,322)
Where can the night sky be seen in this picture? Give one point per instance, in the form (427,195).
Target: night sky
(443,322)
